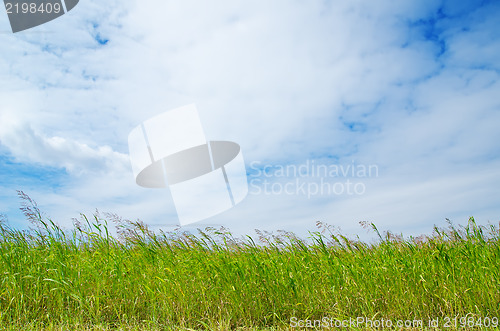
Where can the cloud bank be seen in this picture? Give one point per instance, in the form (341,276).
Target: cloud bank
(412,88)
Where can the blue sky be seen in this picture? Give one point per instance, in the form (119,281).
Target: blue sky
(410,86)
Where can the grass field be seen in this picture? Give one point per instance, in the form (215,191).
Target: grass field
(86,279)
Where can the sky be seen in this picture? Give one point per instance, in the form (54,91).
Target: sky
(345,111)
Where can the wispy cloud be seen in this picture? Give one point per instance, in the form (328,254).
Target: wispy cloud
(411,87)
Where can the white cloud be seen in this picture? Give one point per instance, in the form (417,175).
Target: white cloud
(27,145)
(289,81)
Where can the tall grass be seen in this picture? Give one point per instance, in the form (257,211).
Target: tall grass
(86,277)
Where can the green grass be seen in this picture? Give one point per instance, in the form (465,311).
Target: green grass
(86,279)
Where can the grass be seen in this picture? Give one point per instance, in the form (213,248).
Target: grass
(87,279)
